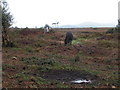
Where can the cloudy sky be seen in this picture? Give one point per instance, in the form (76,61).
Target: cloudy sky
(37,13)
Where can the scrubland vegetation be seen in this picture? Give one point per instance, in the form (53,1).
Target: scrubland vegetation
(38,60)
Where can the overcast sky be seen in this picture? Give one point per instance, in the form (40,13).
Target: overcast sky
(31,13)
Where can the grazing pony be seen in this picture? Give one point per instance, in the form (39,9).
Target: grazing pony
(68,38)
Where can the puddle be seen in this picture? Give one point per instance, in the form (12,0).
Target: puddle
(81,81)
(75,77)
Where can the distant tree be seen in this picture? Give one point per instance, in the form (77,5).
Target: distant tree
(7,20)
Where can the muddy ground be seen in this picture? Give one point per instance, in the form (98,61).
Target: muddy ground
(42,61)
(67,76)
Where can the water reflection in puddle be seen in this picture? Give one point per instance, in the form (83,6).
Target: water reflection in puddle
(81,81)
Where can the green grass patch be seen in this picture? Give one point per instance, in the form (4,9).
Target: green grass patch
(29,49)
(78,41)
(22,76)
(41,64)
(83,41)
(38,61)
(44,68)
(57,66)
(16,49)
(61,85)
(75,58)
(40,80)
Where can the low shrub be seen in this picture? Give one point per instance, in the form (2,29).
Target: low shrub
(41,43)
(113,30)
(110,30)
(75,58)
(106,43)
(27,32)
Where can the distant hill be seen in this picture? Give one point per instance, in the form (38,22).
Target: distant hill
(88,24)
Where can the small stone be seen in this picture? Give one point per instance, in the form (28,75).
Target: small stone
(113,87)
(14,58)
